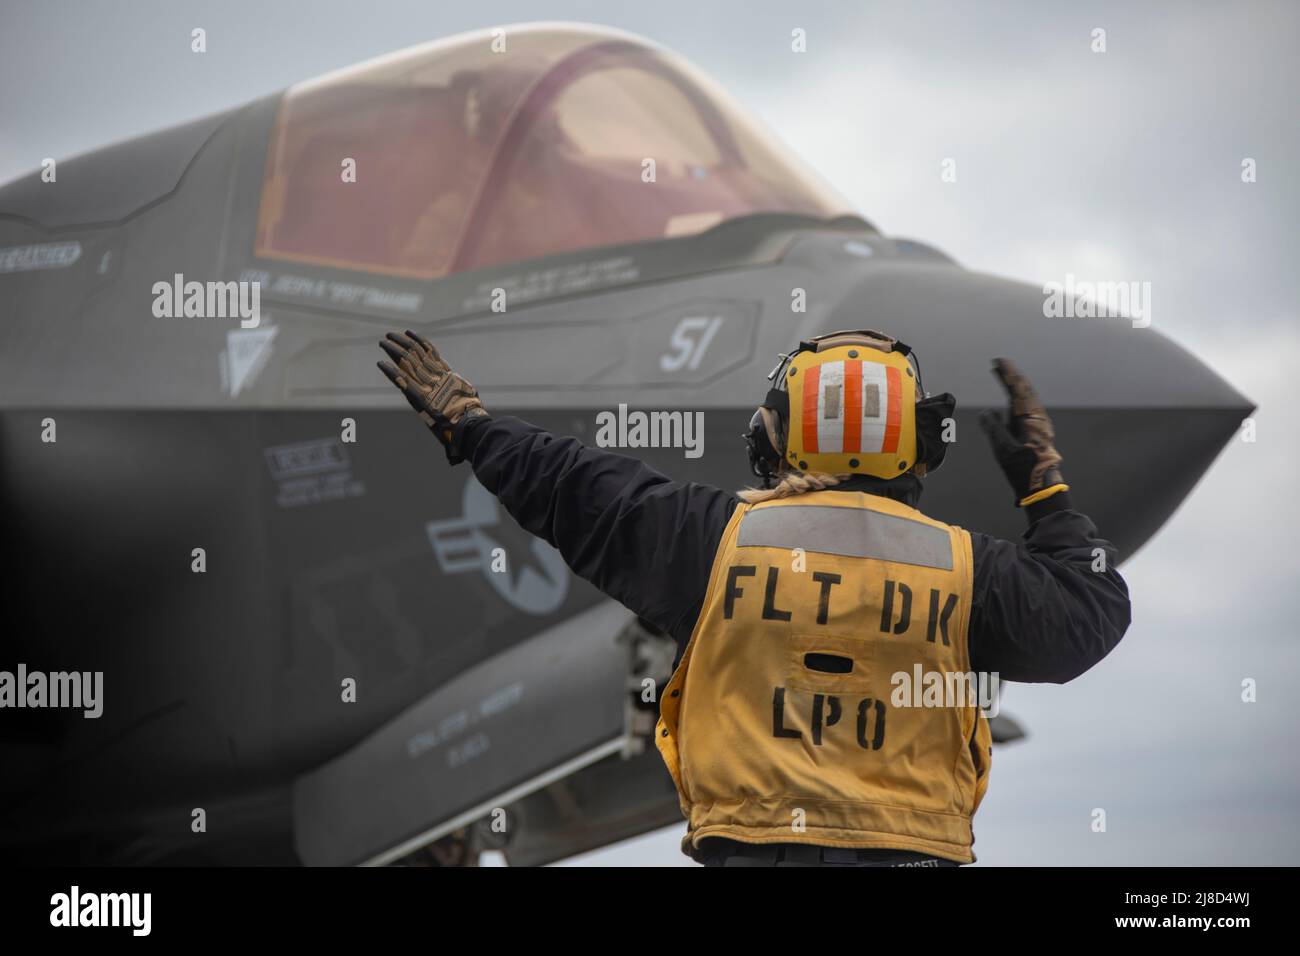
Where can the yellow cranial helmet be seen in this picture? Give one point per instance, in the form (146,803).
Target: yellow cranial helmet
(841,403)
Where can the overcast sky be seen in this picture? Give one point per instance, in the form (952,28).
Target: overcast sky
(1124,164)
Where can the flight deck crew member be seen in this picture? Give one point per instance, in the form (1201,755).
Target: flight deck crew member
(799,607)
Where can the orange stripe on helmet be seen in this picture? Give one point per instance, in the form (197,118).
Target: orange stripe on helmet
(893,411)
(852,406)
(811,387)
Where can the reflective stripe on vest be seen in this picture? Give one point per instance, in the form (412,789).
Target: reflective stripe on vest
(795,716)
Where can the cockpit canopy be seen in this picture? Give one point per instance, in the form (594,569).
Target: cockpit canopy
(498,146)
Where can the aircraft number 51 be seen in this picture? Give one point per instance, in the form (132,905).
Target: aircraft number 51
(690,340)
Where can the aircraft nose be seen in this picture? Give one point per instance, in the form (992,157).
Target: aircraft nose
(1138,417)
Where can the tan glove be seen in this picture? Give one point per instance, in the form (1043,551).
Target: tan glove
(442,397)
(1022,442)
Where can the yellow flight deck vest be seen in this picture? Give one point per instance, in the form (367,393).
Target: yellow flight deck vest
(783,722)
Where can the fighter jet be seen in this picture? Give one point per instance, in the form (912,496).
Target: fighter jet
(212,497)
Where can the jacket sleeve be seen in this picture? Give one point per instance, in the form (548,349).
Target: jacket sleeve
(1040,612)
(645,540)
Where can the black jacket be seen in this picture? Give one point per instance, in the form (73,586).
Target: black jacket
(1039,612)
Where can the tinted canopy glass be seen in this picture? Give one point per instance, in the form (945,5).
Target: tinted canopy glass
(483,150)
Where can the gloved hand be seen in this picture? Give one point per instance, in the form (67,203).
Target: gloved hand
(1022,441)
(442,397)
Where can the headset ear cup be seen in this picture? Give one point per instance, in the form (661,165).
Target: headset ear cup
(764,444)
(775,438)
(931,414)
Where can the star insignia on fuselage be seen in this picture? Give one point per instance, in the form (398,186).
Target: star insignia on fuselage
(518,545)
